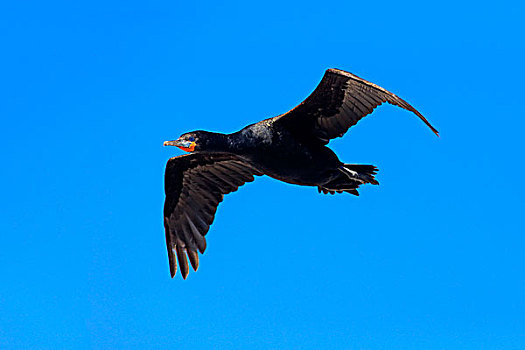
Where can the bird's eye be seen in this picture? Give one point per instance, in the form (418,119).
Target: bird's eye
(191,138)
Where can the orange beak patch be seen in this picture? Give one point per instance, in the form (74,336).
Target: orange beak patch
(190,148)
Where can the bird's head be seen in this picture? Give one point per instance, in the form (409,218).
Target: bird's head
(188,142)
(198,141)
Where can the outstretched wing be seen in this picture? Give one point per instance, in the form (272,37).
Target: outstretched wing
(340,100)
(195,184)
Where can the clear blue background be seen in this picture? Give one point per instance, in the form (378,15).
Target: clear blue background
(431,259)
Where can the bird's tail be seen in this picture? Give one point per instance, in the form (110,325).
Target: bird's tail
(350,178)
(361,172)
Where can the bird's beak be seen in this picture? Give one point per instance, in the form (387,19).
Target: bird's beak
(172,143)
(184,145)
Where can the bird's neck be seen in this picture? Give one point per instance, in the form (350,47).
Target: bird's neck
(216,142)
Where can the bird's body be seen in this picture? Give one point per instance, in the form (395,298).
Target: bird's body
(290,148)
(274,151)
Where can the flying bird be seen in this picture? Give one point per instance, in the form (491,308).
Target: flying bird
(290,147)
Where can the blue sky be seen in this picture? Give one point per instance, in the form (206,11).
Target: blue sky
(431,259)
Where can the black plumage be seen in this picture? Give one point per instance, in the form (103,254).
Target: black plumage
(290,147)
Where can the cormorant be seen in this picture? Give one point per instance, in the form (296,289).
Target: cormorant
(290,147)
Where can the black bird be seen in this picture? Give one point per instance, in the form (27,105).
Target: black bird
(290,147)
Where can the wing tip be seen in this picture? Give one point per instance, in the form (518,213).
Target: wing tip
(184,273)
(194,259)
(183,261)
(173,267)
(434,130)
